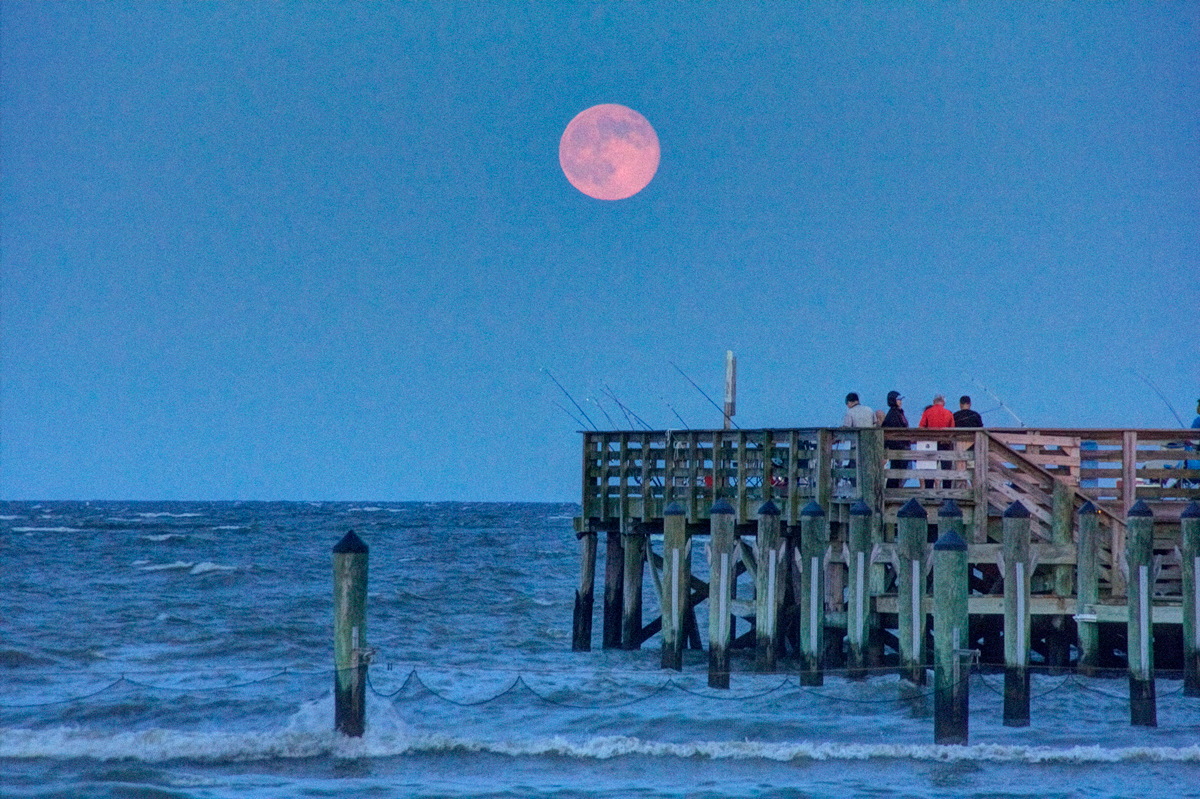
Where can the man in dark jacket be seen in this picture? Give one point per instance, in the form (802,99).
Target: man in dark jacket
(896,418)
(964,416)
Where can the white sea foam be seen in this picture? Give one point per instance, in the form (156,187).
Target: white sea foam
(207,567)
(10,518)
(46,530)
(164,537)
(179,565)
(230,527)
(161,514)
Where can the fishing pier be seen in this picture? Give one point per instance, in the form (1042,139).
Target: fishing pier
(1079,548)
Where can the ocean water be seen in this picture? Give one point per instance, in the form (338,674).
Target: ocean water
(185,650)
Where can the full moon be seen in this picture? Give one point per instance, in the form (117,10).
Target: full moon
(609,152)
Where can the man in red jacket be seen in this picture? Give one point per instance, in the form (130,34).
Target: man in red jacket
(936,415)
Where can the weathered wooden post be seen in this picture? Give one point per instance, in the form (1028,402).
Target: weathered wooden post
(581,629)
(1139,554)
(768,587)
(720,591)
(1087,589)
(1058,642)
(858,609)
(676,583)
(814,541)
(1015,554)
(950,681)
(1189,523)
(912,530)
(614,580)
(350,656)
(633,542)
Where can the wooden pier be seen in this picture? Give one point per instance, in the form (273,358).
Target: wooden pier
(833,529)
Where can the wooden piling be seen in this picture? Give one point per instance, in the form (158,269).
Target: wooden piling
(1139,555)
(768,586)
(1058,643)
(581,628)
(722,570)
(912,529)
(633,542)
(350,635)
(1017,618)
(1189,522)
(858,608)
(814,541)
(676,579)
(614,579)
(950,620)
(1087,589)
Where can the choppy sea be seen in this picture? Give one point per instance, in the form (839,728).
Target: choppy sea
(170,649)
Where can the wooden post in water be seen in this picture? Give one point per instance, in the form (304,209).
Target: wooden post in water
(633,541)
(1015,553)
(872,460)
(1139,554)
(950,680)
(1058,642)
(614,579)
(676,580)
(350,635)
(858,609)
(814,540)
(768,586)
(581,629)
(1087,589)
(912,529)
(1189,523)
(722,569)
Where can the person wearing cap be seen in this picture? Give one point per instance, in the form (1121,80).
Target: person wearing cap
(895,418)
(857,414)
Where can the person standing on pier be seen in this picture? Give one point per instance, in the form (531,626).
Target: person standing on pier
(965,417)
(936,416)
(857,414)
(895,418)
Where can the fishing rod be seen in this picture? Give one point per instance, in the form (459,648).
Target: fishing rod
(603,411)
(563,408)
(625,408)
(710,399)
(1161,396)
(991,394)
(572,399)
(677,416)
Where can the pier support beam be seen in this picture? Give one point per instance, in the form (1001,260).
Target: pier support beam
(581,628)
(768,586)
(858,608)
(350,656)
(1016,568)
(676,580)
(1139,554)
(912,529)
(1189,522)
(1087,589)
(633,542)
(814,541)
(950,680)
(722,571)
(614,578)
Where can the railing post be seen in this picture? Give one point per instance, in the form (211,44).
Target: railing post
(350,654)
(1189,522)
(1016,615)
(633,542)
(858,608)
(1087,591)
(768,586)
(814,540)
(950,680)
(581,628)
(676,580)
(722,569)
(912,530)
(1139,554)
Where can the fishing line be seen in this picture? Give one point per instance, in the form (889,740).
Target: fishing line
(710,399)
(1161,396)
(572,399)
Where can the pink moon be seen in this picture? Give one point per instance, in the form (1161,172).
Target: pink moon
(609,152)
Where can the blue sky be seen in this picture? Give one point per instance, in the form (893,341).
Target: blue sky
(319,251)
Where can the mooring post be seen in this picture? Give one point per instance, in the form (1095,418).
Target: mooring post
(951,680)
(1189,523)
(814,541)
(1015,549)
(912,530)
(581,629)
(768,587)
(720,591)
(676,583)
(1087,589)
(633,542)
(1139,554)
(1058,642)
(350,655)
(614,579)
(858,608)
